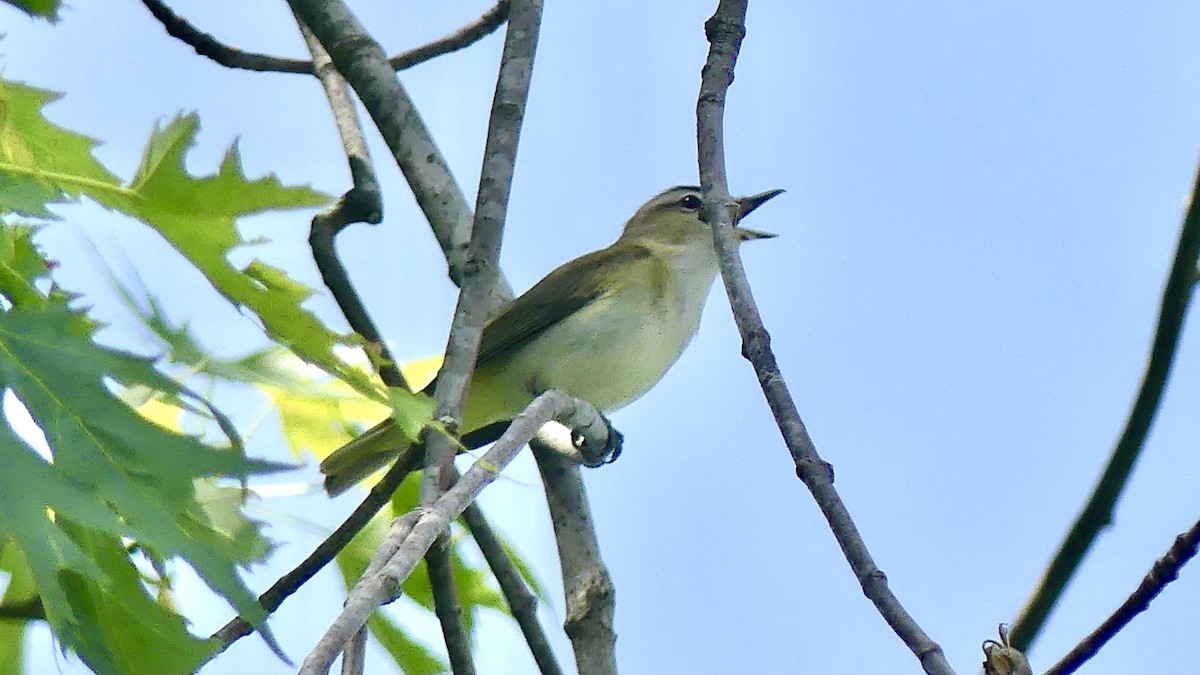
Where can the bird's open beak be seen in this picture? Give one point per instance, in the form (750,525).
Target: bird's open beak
(748,204)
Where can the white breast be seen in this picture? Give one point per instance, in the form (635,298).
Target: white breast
(622,344)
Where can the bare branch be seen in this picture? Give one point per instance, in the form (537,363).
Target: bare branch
(463,37)
(373,591)
(211,48)
(725,31)
(1097,514)
(1164,571)
(491,207)
(361,204)
(475,301)
(446,606)
(361,60)
(587,586)
(521,602)
(218,52)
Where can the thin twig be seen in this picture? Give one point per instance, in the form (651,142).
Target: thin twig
(211,48)
(463,37)
(447,607)
(522,603)
(587,586)
(376,499)
(361,60)
(372,592)
(725,31)
(1097,513)
(368,204)
(1164,571)
(354,657)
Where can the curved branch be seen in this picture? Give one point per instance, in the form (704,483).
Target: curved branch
(1097,514)
(362,203)
(725,31)
(208,46)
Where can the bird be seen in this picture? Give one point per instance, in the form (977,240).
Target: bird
(604,327)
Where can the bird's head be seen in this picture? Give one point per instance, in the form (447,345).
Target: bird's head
(673,217)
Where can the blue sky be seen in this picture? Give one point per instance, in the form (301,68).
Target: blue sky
(982,205)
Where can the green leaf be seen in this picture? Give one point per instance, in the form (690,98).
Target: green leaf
(21,591)
(116,474)
(223,507)
(411,656)
(41,162)
(141,470)
(92,594)
(132,632)
(34,497)
(21,265)
(412,411)
(46,9)
(197,216)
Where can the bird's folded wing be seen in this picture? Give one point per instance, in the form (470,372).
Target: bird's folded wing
(562,293)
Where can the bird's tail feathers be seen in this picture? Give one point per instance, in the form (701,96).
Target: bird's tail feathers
(369,452)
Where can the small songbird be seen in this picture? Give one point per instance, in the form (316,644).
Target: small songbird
(604,327)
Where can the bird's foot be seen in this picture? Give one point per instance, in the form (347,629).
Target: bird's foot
(593,455)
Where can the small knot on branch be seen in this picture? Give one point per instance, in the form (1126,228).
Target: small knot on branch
(806,470)
(720,28)
(595,594)
(871,578)
(757,341)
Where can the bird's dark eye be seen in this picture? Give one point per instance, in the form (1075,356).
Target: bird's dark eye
(690,203)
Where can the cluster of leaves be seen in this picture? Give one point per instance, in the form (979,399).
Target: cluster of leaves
(118,480)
